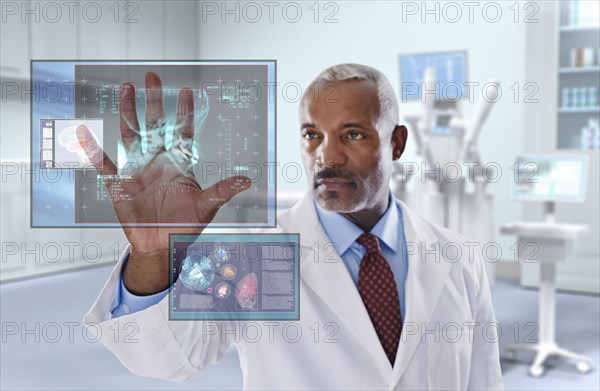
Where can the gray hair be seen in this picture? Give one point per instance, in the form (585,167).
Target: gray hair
(388,103)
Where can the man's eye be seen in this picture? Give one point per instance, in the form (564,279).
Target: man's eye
(355,136)
(309,135)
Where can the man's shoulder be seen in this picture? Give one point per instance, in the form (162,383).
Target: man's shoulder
(300,216)
(427,238)
(427,228)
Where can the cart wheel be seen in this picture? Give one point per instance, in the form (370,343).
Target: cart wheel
(583,366)
(536,371)
(510,355)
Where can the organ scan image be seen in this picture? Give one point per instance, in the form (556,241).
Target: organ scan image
(69,145)
(61,149)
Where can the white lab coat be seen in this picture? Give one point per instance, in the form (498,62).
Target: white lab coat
(448,340)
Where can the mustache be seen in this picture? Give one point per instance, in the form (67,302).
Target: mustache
(335,173)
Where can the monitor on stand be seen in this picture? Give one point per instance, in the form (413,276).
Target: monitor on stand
(550,179)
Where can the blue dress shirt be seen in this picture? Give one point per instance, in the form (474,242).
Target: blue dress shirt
(343,234)
(390,232)
(125,302)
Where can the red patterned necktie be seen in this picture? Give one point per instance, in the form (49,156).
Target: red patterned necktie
(378,290)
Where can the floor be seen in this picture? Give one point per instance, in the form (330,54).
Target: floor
(44,345)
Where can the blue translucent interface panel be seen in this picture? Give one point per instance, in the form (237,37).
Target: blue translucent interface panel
(235,100)
(234,276)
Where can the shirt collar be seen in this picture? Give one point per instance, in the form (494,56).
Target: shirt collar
(343,233)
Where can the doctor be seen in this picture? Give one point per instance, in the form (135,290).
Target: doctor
(387,300)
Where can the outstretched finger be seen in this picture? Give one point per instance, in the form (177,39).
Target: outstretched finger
(201,108)
(130,127)
(221,192)
(155,111)
(184,127)
(94,152)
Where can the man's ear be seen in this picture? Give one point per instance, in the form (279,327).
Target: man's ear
(399,137)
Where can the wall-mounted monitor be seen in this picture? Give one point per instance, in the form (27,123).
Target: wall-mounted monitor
(450,75)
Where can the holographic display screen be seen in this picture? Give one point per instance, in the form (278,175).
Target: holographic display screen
(234,277)
(234,134)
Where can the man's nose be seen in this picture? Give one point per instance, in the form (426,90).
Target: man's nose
(331,153)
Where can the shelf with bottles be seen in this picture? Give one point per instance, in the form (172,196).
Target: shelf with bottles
(579,15)
(569,28)
(578,70)
(583,57)
(579,110)
(579,100)
(580,132)
(590,135)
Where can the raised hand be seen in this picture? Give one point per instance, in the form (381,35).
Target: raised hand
(161,196)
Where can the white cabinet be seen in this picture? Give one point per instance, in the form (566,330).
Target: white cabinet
(14,221)
(146,39)
(578,76)
(165,30)
(15,47)
(181,30)
(126,30)
(105,39)
(548,129)
(34,251)
(54,40)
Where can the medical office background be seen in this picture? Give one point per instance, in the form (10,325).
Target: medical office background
(534,50)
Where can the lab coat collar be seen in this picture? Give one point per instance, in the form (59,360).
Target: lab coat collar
(424,283)
(324,272)
(344,233)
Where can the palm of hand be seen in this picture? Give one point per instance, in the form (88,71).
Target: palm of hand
(161,196)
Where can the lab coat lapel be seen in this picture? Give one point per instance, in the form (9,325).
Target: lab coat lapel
(325,273)
(424,284)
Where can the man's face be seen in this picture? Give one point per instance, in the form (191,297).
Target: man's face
(347,159)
